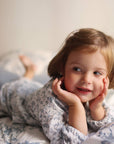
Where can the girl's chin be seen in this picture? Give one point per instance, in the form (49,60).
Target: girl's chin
(83,99)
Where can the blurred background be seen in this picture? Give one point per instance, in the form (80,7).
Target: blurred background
(44,24)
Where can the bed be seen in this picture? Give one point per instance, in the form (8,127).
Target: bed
(10,133)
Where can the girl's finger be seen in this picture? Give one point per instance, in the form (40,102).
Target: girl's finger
(56,86)
(106,84)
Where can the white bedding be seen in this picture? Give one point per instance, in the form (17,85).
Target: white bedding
(11,69)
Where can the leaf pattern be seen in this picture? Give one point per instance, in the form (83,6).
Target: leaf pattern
(30,114)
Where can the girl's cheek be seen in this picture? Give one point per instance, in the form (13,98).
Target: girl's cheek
(101,85)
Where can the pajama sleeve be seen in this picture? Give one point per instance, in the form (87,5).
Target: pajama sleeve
(57,131)
(25,103)
(52,115)
(109,117)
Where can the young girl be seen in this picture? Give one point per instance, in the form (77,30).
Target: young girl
(70,105)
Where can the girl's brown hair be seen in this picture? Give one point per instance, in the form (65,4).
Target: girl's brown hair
(87,40)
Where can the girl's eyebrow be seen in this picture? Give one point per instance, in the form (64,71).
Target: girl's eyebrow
(74,62)
(101,69)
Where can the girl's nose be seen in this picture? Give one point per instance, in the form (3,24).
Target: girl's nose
(87,78)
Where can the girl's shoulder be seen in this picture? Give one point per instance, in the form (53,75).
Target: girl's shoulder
(48,85)
(46,89)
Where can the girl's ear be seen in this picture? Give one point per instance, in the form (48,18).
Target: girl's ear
(107,81)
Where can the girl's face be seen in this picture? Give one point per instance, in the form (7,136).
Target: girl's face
(84,74)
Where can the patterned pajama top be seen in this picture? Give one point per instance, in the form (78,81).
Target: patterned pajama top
(24,102)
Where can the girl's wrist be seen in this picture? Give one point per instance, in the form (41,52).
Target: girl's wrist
(77,118)
(98,113)
(95,108)
(77,104)
(76,107)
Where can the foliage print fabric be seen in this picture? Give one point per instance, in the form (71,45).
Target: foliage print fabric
(25,104)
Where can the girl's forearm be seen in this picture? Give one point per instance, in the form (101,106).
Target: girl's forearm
(98,114)
(77,119)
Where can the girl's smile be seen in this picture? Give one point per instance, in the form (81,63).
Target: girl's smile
(84,90)
(84,74)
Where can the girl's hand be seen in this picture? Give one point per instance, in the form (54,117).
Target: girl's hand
(96,108)
(65,96)
(77,116)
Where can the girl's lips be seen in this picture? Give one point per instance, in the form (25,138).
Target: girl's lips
(84,90)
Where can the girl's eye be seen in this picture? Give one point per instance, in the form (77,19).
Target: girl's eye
(77,69)
(97,73)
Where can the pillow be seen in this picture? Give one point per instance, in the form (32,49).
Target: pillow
(11,67)
(6,76)
(110,97)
